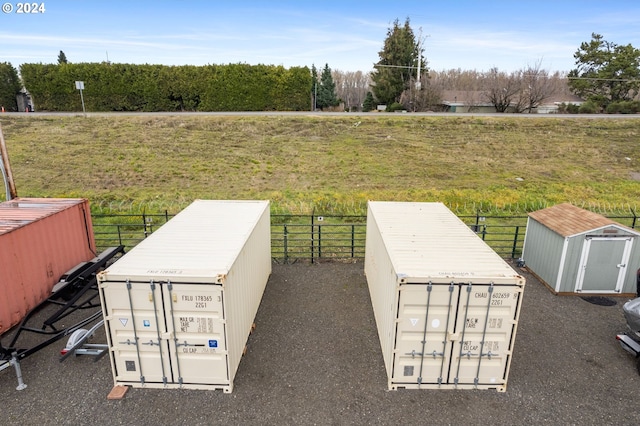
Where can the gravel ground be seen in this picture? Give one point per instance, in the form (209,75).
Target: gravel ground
(315,359)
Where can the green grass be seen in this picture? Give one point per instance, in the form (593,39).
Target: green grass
(330,164)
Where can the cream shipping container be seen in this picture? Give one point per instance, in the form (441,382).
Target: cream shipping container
(40,240)
(446,305)
(180,305)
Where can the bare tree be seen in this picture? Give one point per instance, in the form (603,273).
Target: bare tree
(501,89)
(423,97)
(457,79)
(536,85)
(351,87)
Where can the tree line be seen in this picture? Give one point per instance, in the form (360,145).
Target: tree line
(607,77)
(129,87)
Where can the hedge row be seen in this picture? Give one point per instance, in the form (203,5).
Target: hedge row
(128,87)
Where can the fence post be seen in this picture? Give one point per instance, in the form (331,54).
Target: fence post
(633,224)
(313,212)
(319,241)
(515,242)
(119,235)
(144,225)
(286,243)
(484,232)
(353,240)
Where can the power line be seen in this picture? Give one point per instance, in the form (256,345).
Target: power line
(604,79)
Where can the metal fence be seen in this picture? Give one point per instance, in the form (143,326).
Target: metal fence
(316,237)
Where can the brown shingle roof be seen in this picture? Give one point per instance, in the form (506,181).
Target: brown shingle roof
(567,219)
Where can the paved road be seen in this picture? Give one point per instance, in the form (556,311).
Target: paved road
(319,114)
(315,359)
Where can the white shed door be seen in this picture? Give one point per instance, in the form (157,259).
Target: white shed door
(603,264)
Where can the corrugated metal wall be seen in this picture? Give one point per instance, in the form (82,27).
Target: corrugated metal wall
(383,287)
(244,287)
(40,240)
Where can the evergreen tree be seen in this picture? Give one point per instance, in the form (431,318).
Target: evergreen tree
(62,58)
(606,72)
(369,104)
(10,85)
(326,89)
(398,63)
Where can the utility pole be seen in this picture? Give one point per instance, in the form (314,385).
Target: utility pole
(420,42)
(6,170)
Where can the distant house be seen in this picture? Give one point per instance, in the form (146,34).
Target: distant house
(551,105)
(471,101)
(466,101)
(25,102)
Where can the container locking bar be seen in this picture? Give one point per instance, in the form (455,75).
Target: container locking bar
(446,328)
(173,325)
(424,331)
(135,331)
(155,314)
(484,334)
(461,354)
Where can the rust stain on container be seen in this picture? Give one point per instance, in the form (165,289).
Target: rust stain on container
(40,240)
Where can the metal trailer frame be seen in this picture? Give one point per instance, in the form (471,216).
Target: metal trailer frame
(76,290)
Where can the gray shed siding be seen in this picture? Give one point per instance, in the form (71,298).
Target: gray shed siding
(542,251)
(571,264)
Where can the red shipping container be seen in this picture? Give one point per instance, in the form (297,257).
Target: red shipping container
(40,240)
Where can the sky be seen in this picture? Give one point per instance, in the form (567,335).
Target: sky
(346,35)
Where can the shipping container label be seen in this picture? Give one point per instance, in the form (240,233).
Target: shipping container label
(496,295)
(476,324)
(199,349)
(200,301)
(189,324)
(473,347)
(164,271)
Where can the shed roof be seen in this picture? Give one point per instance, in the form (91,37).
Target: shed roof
(567,219)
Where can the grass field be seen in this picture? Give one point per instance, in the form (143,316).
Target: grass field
(331,164)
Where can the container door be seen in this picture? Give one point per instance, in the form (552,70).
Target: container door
(603,265)
(483,334)
(135,322)
(195,320)
(425,321)
(455,334)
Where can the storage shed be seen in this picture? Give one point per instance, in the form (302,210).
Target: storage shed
(180,305)
(40,240)
(575,251)
(446,305)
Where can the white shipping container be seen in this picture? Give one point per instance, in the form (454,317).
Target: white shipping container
(180,305)
(446,305)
